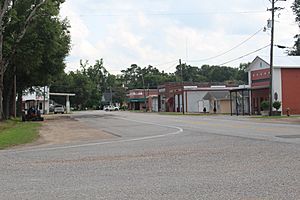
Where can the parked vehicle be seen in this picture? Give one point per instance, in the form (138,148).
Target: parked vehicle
(59,109)
(32,114)
(111,108)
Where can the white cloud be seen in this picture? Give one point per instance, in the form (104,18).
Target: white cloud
(134,32)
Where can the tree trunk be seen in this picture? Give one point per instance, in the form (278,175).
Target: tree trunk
(7,102)
(19,104)
(1,92)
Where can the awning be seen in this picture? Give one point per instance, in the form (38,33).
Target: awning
(136,100)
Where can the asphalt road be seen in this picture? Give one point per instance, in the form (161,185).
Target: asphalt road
(160,157)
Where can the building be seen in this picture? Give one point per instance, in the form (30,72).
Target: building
(143,99)
(217,102)
(285,82)
(38,98)
(170,95)
(198,97)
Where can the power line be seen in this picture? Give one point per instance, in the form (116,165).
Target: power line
(236,46)
(174,65)
(244,55)
(165,63)
(134,13)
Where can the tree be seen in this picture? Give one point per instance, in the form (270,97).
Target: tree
(17,16)
(296,10)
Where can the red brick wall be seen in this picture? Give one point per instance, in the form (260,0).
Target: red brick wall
(290,90)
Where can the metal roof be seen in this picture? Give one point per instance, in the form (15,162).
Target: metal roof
(283,61)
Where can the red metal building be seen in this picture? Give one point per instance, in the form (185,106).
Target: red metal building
(285,83)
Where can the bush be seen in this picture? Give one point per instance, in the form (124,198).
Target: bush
(265,105)
(276,105)
(123,108)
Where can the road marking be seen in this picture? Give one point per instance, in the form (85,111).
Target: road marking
(179,130)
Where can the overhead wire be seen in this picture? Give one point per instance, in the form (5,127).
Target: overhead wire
(245,55)
(133,13)
(231,49)
(173,65)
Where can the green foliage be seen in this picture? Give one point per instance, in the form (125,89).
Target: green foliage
(212,74)
(39,56)
(265,105)
(147,77)
(44,47)
(296,10)
(14,133)
(137,77)
(276,105)
(89,83)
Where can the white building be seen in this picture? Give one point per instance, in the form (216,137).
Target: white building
(37,97)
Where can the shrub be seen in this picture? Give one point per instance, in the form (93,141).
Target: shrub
(276,105)
(265,105)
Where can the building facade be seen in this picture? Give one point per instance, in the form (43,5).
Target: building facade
(143,99)
(285,83)
(37,98)
(197,98)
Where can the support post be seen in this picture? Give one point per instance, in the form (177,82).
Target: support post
(230,103)
(44,101)
(182,87)
(68,104)
(243,102)
(236,104)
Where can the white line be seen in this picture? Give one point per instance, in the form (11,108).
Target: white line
(179,130)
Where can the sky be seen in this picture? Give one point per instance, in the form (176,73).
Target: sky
(160,32)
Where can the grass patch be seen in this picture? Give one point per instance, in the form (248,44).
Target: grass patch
(275,117)
(15,132)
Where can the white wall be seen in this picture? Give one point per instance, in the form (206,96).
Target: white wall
(193,98)
(154,104)
(277,84)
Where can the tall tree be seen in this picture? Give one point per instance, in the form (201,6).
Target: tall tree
(8,15)
(40,53)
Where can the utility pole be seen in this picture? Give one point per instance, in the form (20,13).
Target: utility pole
(111,96)
(271,59)
(182,87)
(272,53)
(144,92)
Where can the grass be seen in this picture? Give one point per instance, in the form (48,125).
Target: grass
(276,117)
(15,132)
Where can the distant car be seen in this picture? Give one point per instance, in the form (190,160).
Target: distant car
(59,109)
(111,108)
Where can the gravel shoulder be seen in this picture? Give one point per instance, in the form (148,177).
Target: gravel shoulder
(64,130)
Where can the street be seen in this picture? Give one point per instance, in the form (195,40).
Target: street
(153,156)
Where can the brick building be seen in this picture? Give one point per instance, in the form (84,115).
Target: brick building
(143,99)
